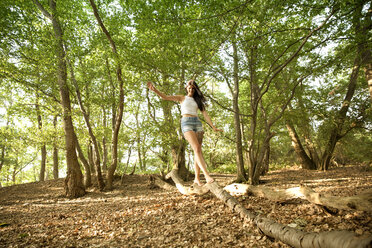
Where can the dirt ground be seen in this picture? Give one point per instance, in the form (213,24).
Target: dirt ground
(135,215)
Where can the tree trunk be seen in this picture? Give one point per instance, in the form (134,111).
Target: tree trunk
(341,115)
(2,159)
(43,147)
(119,117)
(115,134)
(74,180)
(55,152)
(2,156)
(254,109)
(361,202)
(87,168)
(178,142)
(278,195)
(14,173)
(241,175)
(138,139)
(305,160)
(97,160)
(367,53)
(265,148)
(178,157)
(127,164)
(133,169)
(185,190)
(258,91)
(55,163)
(42,163)
(90,158)
(368,72)
(266,162)
(104,145)
(288,235)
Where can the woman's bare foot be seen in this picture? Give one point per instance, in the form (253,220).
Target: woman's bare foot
(210,180)
(197,182)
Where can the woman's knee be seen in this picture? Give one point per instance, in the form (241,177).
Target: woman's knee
(197,148)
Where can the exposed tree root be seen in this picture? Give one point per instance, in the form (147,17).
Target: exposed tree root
(286,234)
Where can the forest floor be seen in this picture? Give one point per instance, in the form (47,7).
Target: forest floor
(135,215)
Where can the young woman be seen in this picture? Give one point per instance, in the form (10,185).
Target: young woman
(191,126)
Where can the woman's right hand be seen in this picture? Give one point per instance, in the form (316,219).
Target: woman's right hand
(151,86)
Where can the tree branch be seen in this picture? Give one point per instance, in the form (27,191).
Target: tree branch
(95,10)
(43,10)
(281,67)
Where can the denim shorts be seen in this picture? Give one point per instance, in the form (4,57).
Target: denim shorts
(191,124)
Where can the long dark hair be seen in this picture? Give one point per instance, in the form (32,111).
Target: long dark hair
(198,96)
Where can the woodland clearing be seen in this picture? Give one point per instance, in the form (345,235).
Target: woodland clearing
(136,215)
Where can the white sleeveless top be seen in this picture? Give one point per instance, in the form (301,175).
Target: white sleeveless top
(189,106)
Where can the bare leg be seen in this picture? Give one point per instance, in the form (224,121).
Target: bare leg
(197,173)
(199,136)
(196,146)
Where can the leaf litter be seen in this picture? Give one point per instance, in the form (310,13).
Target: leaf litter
(135,215)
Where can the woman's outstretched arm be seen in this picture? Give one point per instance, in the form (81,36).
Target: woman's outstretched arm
(177,98)
(209,121)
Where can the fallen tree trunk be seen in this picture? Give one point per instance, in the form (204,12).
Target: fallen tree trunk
(284,233)
(362,202)
(289,235)
(185,190)
(154,180)
(262,191)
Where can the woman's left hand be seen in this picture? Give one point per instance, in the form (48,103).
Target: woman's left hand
(217,129)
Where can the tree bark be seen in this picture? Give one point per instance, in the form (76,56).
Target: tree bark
(90,157)
(88,173)
(341,115)
(305,160)
(256,150)
(237,189)
(367,53)
(361,202)
(97,160)
(138,139)
(368,72)
(241,175)
(156,181)
(177,142)
(55,152)
(73,183)
(2,156)
(288,235)
(254,108)
(291,236)
(43,147)
(126,166)
(178,157)
(104,145)
(119,117)
(193,190)
(2,159)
